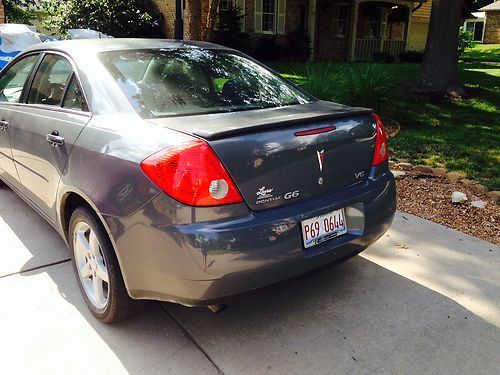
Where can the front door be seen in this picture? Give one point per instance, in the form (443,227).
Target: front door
(12,82)
(44,131)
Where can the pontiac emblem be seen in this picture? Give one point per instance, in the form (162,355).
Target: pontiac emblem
(321,155)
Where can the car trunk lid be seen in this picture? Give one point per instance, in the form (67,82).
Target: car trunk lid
(290,153)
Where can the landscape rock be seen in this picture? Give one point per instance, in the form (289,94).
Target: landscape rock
(405,166)
(467,182)
(454,176)
(458,197)
(479,189)
(423,169)
(478,204)
(495,195)
(441,172)
(398,174)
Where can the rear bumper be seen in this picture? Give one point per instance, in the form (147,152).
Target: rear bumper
(166,257)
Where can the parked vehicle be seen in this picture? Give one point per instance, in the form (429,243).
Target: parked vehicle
(185,171)
(86,34)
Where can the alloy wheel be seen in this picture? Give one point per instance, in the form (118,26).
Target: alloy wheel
(90,264)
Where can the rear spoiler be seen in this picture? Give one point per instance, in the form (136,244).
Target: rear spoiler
(222,125)
(213,134)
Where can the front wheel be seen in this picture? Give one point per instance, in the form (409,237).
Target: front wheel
(97,270)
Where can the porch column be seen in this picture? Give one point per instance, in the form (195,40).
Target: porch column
(311,28)
(383,29)
(408,26)
(354,28)
(179,22)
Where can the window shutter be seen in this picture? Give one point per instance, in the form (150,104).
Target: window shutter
(281,16)
(240,4)
(258,16)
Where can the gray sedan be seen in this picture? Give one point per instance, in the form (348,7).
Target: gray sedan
(187,172)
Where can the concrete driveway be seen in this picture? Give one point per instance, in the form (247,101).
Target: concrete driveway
(424,299)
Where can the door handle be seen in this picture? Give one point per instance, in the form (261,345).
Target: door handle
(55,139)
(4,125)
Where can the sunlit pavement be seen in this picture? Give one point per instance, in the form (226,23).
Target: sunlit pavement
(424,299)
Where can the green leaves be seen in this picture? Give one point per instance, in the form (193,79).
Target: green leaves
(18,11)
(465,40)
(365,85)
(118,18)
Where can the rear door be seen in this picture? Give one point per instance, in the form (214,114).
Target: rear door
(45,129)
(12,83)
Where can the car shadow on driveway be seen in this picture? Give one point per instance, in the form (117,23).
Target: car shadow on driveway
(357,317)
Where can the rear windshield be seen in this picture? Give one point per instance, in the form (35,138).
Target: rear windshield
(162,83)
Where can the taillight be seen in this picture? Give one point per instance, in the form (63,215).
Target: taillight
(192,174)
(381,153)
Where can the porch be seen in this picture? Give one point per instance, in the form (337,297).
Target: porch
(379,28)
(359,30)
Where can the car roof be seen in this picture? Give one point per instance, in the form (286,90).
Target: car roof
(94,46)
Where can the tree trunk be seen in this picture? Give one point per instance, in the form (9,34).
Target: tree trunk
(210,21)
(439,71)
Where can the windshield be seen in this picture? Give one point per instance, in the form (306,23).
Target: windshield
(162,83)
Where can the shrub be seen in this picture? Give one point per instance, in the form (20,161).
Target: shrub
(296,46)
(267,48)
(369,85)
(118,18)
(383,57)
(325,81)
(230,20)
(465,40)
(228,32)
(415,57)
(18,11)
(365,85)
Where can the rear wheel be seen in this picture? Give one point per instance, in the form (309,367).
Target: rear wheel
(97,270)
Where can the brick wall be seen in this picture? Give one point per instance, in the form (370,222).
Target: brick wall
(167,7)
(492,28)
(329,47)
(249,16)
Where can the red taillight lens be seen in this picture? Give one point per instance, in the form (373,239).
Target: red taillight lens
(381,153)
(192,174)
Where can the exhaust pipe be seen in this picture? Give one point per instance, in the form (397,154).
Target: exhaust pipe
(217,308)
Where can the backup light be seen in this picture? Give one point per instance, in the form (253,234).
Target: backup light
(381,152)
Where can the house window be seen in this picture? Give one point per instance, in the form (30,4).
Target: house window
(224,4)
(269,16)
(476,28)
(340,20)
(372,28)
(469,26)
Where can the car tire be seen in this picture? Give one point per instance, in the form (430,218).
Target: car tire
(97,270)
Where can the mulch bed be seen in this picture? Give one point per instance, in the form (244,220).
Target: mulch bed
(430,197)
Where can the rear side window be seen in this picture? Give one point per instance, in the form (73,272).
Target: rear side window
(13,80)
(74,97)
(50,81)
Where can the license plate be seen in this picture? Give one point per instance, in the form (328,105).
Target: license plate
(323,228)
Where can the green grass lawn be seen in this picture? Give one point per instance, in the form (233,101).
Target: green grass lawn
(460,135)
(483,52)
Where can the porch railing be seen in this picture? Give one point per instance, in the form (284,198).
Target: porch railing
(394,47)
(365,48)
